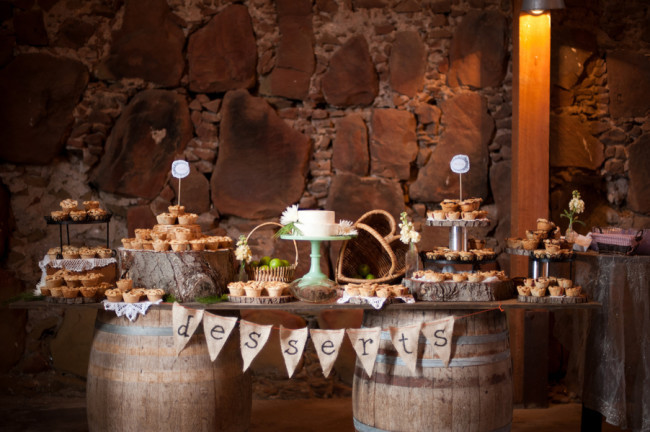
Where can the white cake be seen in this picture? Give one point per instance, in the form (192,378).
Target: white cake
(317,223)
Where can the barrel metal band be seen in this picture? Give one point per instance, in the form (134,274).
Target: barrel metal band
(137,330)
(362,427)
(455,362)
(462,340)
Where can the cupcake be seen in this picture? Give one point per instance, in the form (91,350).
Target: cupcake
(469,215)
(68,205)
(56,292)
(166,219)
(87,253)
(179,245)
(89,205)
(70,292)
(131,296)
(156,235)
(136,244)
(187,218)
(113,295)
(544,225)
(88,292)
(59,215)
(556,291)
(143,233)
(124,284)
(450,205)
(236,288)
(383,292)
(538,292)
(529,244)
(147,244)
(367,290)
(453,215)
(176,210)
(160,245)
(523,290)
(253,290)
(104,252)
(574,291)
(352,290)
(97,214)
(275,290)
(53,281)
(459,277)
(439,215)
(72,280)
(197,245)
(90,279)
(154,294)
(467,206)
(565,283)
(183,234)
(78,215)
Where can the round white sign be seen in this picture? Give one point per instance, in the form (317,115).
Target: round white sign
(180,169)
(459,164)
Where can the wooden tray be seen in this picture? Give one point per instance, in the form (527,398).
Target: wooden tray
(76,300)
(552,299)
(261,300)
(459,222)
(364,300)
(460,291)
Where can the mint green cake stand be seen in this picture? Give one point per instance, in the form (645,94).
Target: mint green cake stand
(315,286)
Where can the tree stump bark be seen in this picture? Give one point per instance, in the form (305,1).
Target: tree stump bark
(186,275)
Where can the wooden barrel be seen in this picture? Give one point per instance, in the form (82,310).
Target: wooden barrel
(473,394)
(136,382)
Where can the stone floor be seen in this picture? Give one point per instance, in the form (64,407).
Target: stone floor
(68,414)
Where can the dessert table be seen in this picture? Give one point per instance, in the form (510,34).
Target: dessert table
(612,368)
(477,380)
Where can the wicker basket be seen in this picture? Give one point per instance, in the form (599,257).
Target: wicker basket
(376,245)
(616,240)
(279,274)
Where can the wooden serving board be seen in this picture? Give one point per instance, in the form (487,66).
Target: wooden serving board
(75,300)
(552,299)
(460,291)
(459,222)
(261,299)
(364,300)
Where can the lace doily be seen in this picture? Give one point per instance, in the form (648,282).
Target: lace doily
(375,302)
(75,265)
(131,310)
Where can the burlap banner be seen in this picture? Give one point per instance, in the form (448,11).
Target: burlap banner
(253,337)
(405,340)
(439,335)
(328,345)
(217,329)
(184,323)
(292,343)
(365,342)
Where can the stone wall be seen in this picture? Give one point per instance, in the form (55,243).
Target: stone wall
(349,105)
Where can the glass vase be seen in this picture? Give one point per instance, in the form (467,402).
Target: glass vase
(411,261)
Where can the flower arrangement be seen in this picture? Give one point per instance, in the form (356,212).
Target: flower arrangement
(576,206)
(408,234)
(346,227)
(243,253)
(288,221)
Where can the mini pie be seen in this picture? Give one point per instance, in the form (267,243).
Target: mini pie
(97,213)
(132,296)
(179,245)
(143,233)
(124,284)
(67,205)
(89,205)
(198,244)
(59,215)
(113,295)
(70,292)
(166,219)
(160,245)
(187,218)
(78,215)
(176,210)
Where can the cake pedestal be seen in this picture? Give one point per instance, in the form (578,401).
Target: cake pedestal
(315,286)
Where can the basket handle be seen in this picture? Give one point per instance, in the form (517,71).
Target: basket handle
(295,245)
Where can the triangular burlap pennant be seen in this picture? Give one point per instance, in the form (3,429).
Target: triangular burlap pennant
(217,329)
(365,342)
(327,344)
(252,338)
(405,340)
(292,343)
(439,334)
(184,324)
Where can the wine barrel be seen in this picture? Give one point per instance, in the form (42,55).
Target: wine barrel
(474,393)
(136,382)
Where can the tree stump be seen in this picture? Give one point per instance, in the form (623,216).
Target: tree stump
(186,275)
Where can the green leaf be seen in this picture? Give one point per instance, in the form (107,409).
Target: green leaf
(169,298)
(23,296)
(212,299)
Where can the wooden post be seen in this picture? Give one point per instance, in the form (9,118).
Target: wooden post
(530,155)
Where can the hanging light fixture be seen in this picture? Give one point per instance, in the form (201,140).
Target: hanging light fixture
(538,6)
